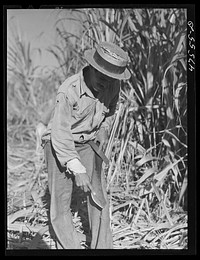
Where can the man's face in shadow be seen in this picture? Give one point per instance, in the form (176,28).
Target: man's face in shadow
(99,81)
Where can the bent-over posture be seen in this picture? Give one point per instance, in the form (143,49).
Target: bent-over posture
(82,116)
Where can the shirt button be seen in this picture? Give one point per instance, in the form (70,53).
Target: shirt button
(81,138)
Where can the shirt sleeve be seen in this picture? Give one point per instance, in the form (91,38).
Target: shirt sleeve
(61,135)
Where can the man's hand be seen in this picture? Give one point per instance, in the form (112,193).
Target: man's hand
(82,180)
(102,138)
(40,129)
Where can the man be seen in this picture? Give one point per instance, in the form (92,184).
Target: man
(82,117)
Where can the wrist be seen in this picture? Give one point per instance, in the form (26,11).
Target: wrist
(75,166)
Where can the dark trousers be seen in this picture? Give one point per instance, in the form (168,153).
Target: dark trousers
(60,185)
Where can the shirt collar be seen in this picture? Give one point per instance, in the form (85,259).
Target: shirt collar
(83,87)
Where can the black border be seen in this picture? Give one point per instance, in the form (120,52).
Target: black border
(192,198)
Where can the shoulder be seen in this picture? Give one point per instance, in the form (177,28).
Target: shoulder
(70,84)
(71,88)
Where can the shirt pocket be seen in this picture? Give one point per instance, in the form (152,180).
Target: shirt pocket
(82,110)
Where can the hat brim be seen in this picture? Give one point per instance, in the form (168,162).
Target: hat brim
(89,58)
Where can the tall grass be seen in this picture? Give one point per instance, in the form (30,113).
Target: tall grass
(154,99)
(147,148)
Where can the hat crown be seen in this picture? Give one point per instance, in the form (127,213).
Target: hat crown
(109,59)
(112,53)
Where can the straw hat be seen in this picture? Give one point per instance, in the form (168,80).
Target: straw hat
(109,59)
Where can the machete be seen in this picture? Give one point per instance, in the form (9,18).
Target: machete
(98,196)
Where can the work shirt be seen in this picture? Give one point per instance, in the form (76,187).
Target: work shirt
(78,115)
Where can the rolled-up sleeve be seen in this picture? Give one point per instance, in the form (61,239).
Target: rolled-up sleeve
(61,135)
